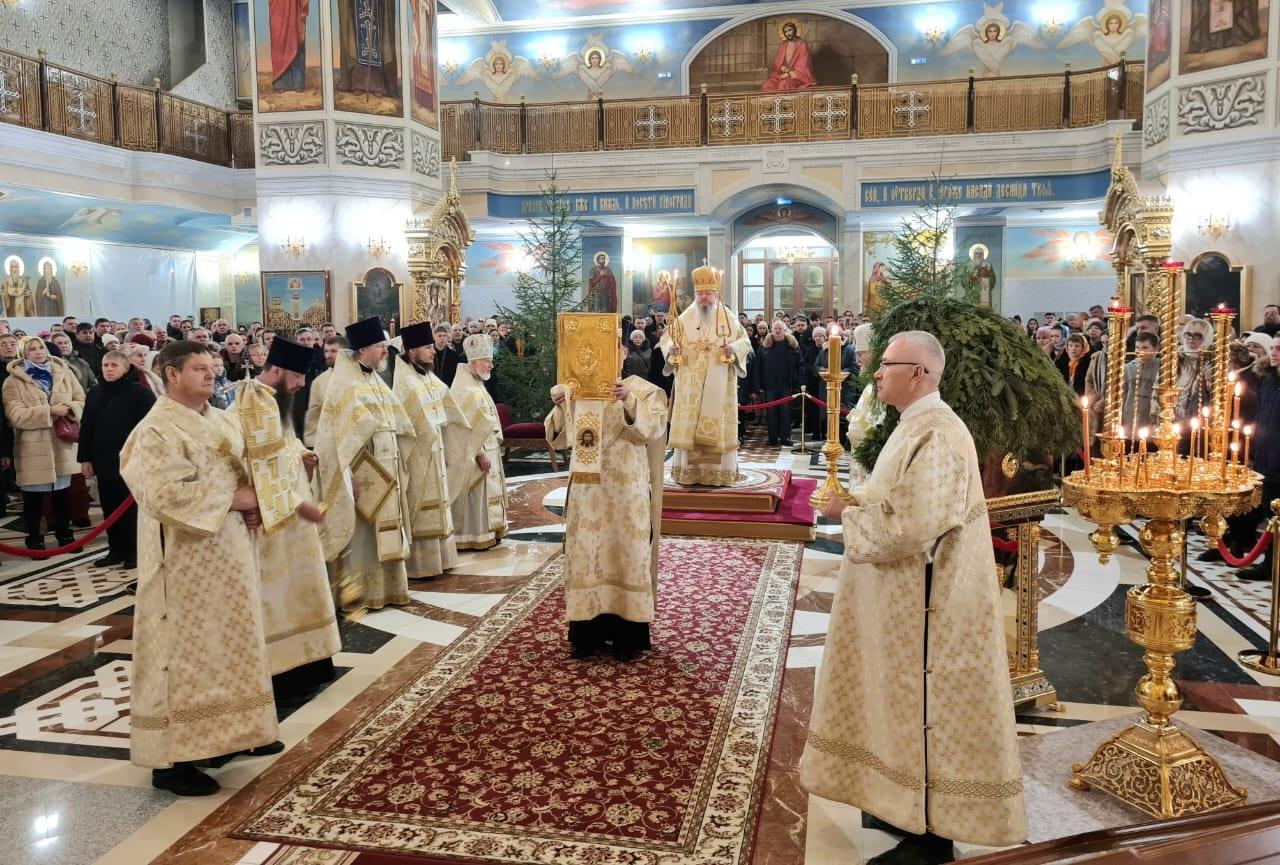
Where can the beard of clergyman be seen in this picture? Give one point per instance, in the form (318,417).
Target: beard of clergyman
(284,402)
(705,319)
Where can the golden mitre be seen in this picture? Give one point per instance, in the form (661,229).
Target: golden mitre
(706,279)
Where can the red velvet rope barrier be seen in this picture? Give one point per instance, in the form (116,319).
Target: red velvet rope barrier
(1250,557)
(820,404)
(761,406)
(89,536)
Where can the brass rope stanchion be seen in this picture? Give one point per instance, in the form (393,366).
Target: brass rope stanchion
(1269,661)
(804,404)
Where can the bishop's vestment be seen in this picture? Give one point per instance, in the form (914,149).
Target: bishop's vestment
(704,410)
(201,686)
(357,441)
(612,528)
(298,614)
(431,409)
(479,499)
(913,714)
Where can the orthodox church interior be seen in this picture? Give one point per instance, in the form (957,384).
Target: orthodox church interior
(281,165)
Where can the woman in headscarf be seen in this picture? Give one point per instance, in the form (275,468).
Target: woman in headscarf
(39,391)
(639,355)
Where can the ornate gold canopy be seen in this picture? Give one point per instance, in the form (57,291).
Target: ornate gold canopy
(1142,228)
(437,247)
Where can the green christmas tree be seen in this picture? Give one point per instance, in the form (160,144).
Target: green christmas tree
(923,264)
(1006,390)
(552,284)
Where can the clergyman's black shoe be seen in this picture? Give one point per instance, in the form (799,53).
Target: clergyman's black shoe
(1259,573)
(184,779)
(917,850)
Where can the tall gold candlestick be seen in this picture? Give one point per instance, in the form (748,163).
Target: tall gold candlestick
(832,449)
(1084,420)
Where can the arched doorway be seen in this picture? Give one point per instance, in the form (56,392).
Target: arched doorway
(742,59)
(786,259)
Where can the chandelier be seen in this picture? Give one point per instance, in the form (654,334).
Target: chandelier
(792,254)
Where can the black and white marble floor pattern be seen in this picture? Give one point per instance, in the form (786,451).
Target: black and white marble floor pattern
(66,652)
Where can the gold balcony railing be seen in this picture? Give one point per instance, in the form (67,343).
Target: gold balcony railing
(41,95)
(1069,100)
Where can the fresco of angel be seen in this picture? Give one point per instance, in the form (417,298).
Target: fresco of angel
(595,65)
(992,39)
(498,70)
(1111,31)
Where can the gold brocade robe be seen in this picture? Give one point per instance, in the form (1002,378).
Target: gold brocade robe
(297,603)
(360,480)
(431,409)
(912,713)
(704,411)
(479,499)
(612,528)
(200,685)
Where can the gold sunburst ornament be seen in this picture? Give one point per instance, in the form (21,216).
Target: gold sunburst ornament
(1010,465)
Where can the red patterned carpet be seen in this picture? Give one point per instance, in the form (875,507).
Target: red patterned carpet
(505,749)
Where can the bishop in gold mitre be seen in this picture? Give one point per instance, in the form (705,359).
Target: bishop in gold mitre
(706,349)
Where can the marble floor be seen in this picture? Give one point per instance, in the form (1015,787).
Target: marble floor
(73,798)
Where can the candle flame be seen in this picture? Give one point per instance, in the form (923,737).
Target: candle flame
(1177,429)
(1235,424)
(1143,433)
(1248,429)
(1231,376)
(1239,388)
(1205,411)
(1084,402)
(1195,423)
(1235,446)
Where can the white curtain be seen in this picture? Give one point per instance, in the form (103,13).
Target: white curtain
(127,281)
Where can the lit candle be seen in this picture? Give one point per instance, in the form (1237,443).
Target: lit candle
(1139,465)
(1204,440)
(1235,451)
(833,349)
(1248,435)
(1195,441)
(1084,420)
(1235,438)
(1235,403)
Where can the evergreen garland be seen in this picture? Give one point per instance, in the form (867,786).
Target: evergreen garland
(550,286)
(1006,390)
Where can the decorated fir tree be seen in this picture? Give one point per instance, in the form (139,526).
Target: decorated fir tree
(923,264)
(1006,390)
(552,284)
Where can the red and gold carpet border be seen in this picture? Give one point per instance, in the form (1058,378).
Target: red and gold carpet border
(724,804)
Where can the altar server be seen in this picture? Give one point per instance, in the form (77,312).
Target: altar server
(200,683)
(913,717)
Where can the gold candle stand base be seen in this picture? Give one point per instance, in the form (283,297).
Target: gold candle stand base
(1260,661)
(1159,770)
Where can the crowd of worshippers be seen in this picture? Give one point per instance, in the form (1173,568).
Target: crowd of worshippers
(1077,342)
(255,498)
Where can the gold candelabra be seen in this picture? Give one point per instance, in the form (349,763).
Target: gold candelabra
(1153,765)
(832,449)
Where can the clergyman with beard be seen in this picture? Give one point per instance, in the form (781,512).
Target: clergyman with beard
(361,472)
(297,604)
(430,406)
(477,485)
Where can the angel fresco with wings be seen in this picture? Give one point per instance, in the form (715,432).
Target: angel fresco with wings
(992,39)
(595,65)
(498,70)
(1111,31)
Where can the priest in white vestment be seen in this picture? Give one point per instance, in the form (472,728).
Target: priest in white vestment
(613,525)
(298,614)
(358,444)
(200,682)
(706,349)
(477,484)
(912,714)
(431,409)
